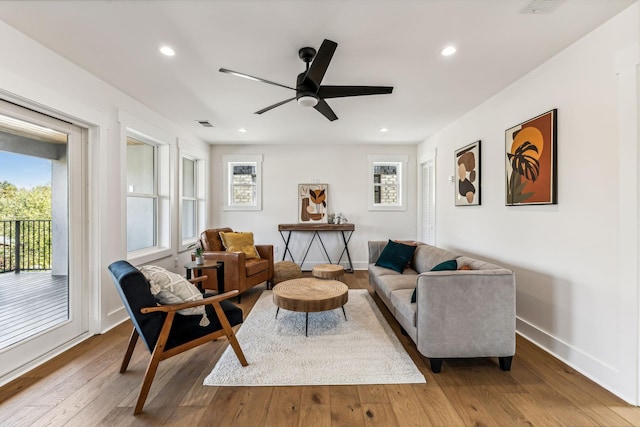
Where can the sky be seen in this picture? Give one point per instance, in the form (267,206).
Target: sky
(24,171)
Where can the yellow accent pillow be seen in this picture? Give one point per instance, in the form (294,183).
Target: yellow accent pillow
(239,242)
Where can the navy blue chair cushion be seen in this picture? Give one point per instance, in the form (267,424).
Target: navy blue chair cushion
(136,294)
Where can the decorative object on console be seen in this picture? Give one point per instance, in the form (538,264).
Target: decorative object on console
(531,163)
(467,164)
(312,203)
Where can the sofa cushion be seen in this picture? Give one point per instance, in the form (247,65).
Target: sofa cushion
(427,257)
(255,266)
(400,301)
(390,283)
(396,256)
(451,264)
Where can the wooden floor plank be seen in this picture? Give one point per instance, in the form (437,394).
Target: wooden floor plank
(315,408)
(83,387)
(346,408)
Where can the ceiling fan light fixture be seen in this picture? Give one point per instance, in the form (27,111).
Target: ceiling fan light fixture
(308,100)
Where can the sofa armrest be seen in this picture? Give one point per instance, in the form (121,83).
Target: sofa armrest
(375,249)
(466,313)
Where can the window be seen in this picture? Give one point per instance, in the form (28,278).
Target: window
(243,182)
(192,199)
(142,195)
(148,189)
(387,183)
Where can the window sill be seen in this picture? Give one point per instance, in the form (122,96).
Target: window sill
(145,256)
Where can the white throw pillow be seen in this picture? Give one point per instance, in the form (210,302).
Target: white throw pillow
(171,288)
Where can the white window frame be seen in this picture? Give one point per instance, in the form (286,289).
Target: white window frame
(165,145)
(401,162)
(200,197)
(228,161)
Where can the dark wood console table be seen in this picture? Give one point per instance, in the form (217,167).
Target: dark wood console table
(317,229)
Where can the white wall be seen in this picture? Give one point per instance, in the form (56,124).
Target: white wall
(344,168)
(32,75)
(576,262)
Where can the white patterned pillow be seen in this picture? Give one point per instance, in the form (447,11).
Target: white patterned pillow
(171,288)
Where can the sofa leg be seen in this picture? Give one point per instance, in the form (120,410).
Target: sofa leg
(436,365)
(505,363)
(403,331)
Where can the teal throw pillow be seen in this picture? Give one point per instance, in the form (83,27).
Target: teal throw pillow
(396,256)
(452,264)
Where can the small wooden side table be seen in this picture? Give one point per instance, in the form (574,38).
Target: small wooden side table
(207,265)
(328,271)
(309,294)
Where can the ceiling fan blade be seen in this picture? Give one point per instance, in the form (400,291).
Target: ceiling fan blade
(271,107)
(326,111)
(256,79)
(342,91)
(320,64)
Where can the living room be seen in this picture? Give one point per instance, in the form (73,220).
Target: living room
(575,261)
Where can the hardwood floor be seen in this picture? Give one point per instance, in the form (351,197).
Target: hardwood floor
(82,387)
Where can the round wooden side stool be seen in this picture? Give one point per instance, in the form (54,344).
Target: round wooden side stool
(328,271)
(285,270)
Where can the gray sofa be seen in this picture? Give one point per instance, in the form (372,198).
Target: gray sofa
(457,314)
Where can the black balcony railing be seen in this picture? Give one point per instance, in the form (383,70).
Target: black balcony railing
(25,245)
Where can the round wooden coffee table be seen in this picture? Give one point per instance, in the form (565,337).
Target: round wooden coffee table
(309,294)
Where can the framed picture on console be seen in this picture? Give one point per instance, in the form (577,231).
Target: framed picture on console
(467,166)
(312,203)
(531,163)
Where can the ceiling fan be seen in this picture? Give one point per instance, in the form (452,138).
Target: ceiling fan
(309,91)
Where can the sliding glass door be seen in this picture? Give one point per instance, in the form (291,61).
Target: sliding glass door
(42,224)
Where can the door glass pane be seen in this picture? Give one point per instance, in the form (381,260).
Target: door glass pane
(141,224)
(34,230)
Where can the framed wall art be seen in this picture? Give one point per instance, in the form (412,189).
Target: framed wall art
(312,203)
(467,166)
(531,163)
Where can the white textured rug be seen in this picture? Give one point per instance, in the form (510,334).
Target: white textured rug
(360,350)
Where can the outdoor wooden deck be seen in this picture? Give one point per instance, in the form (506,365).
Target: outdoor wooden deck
(30,303)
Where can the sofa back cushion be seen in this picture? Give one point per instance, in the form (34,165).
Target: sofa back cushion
(426,257)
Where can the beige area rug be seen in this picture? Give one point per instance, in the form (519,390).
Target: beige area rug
(360,350)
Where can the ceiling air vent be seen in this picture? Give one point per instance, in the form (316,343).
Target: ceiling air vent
(541,6)
(205,123)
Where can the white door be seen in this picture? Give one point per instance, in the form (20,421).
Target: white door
(30,134)
(428,206)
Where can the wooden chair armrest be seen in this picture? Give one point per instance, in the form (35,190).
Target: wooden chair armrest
(175,307)
(198,279)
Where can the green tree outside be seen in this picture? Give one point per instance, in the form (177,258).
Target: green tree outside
(25,204)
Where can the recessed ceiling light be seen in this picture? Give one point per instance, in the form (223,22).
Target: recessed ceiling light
(383,130)
(242,130)
(167,50)
(448,51)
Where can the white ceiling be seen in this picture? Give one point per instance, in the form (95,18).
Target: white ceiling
(387,42)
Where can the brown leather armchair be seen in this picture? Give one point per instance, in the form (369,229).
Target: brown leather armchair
(239,272)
